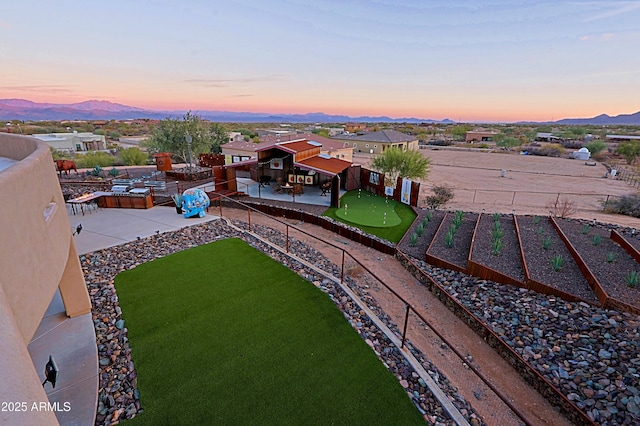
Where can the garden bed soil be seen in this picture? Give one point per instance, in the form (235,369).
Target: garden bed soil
(508,260)
(569,278)
(458,254)
(611,275)
(420,249)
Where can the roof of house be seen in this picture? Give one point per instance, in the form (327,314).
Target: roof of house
(323,163)
(630,137)
(328,144)
(293,147)
(382,136)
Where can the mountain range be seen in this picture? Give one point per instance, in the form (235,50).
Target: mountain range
(21,109)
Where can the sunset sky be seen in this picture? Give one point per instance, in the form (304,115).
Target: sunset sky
(470,60)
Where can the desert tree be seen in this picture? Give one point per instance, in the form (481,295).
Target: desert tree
(629,150)
(395,163)
(170,135)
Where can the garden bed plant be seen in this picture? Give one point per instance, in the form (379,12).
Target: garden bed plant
(496,246)
(617,272)
(453,241)
(549,261)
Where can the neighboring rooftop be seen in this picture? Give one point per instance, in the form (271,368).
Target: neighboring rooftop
(382,136)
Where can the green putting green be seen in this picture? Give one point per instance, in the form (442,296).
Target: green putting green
(367,209)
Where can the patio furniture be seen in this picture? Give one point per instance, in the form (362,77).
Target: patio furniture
(277,189)
(287,188)
(325,187)
(264,181)
(298,189)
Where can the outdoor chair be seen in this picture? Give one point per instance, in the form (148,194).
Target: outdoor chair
(325,187)
(298,189)
(264,181)
(277,189)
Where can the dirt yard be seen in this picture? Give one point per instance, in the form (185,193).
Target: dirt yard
(530,183)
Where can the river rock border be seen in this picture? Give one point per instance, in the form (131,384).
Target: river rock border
(590,354)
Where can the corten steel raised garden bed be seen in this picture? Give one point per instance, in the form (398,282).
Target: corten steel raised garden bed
(496,263)
(631,245)
(456,256)
(610,273)
(569,282)
(423,241)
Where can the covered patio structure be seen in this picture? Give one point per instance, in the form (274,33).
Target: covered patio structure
(295,167)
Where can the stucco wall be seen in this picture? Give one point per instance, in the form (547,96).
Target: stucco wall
(38,256)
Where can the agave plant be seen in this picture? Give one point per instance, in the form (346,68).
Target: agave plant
(557,262)
(448,238)
(633,278)
(596,240)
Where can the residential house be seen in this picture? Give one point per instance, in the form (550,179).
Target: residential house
(74,142)
(378,142)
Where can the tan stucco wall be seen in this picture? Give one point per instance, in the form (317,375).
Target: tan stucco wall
(38,256)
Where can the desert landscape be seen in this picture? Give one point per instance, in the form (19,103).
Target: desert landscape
(530,184)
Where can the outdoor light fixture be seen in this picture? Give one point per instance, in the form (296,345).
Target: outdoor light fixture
(51,372)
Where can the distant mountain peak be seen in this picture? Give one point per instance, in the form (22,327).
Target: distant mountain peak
(95,109)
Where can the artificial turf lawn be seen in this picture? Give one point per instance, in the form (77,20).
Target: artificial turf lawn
(368,210)
(390,233)
(223,334)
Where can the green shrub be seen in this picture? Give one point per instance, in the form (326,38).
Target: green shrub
(596,240)
(536,219)
(442,194)
(420,229)
(546,243)
(595,147)
(611,257)
(133,157)
(93,159)
(628,205)
(633,278)
(540,230)
(586,228)
(413,239)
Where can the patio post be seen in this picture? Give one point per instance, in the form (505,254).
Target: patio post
(249,218)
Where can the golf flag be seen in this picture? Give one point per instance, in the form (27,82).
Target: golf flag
(405,194)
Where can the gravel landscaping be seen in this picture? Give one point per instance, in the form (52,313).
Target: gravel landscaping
(594,246)
(569,278)
(458,253)
(590,354)
(422,243)
(507,260)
